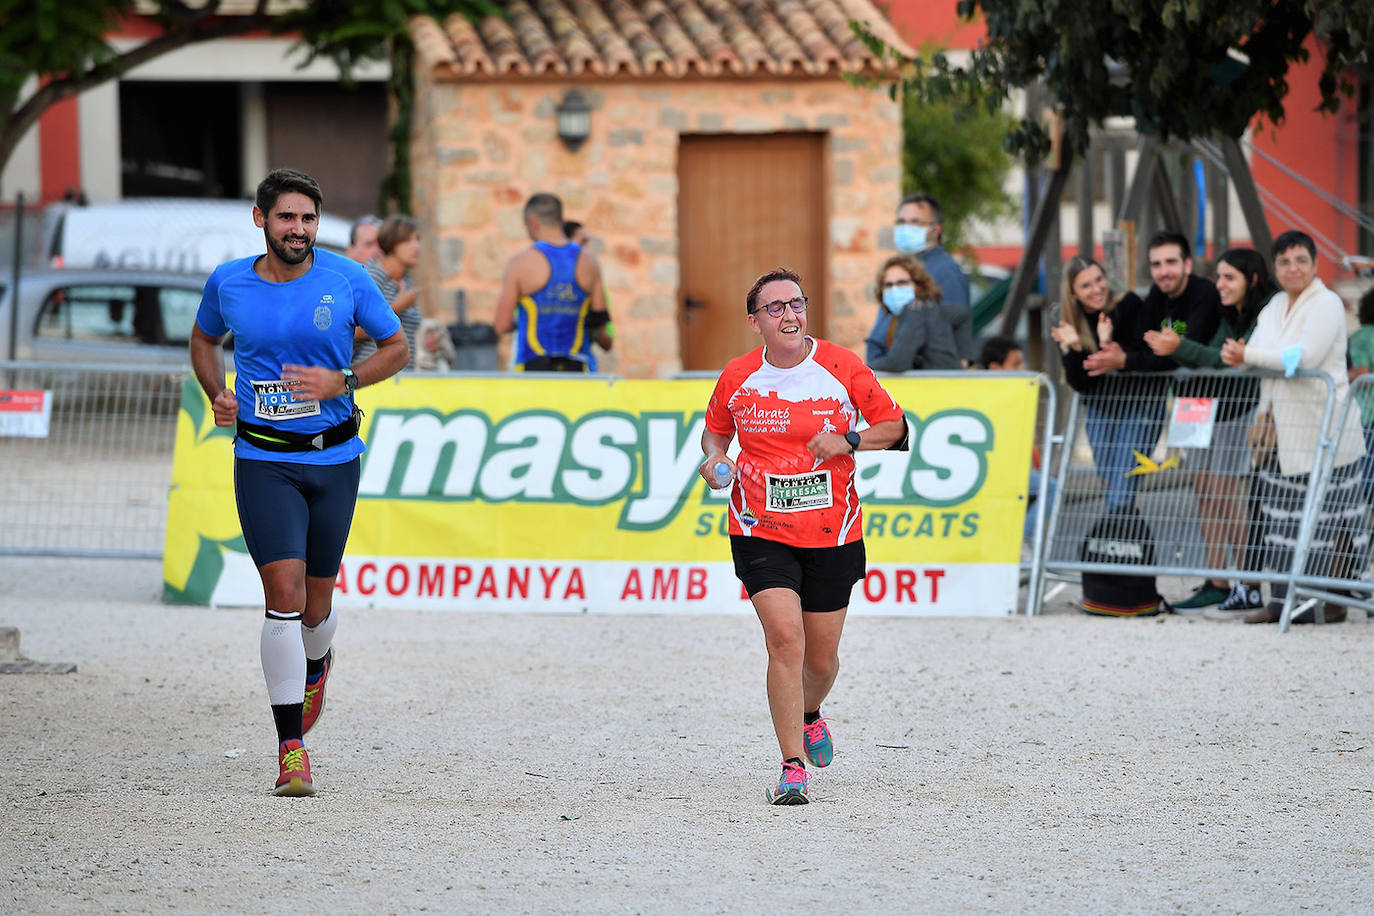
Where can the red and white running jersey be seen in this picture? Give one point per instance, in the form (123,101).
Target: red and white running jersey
(782,493)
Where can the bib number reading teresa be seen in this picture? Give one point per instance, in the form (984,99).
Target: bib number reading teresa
(272,400)
(798,492)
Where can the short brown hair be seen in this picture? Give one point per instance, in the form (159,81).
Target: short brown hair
(926,287)
(777,273)
(395,230)
(283,181)
(546,208)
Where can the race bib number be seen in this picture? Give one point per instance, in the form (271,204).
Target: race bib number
(798,492)
(1192,422)
(272,400)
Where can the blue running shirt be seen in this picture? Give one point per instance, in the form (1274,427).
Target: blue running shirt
(307,321)
(551,321)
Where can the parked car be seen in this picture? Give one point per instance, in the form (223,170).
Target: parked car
(190,235)
(101,316)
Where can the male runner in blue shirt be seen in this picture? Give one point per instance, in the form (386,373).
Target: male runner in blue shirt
(557,286)
(292,312)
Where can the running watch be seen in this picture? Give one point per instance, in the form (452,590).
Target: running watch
(852,437)
(350,380)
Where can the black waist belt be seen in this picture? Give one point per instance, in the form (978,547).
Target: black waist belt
(271,439)
(554,364)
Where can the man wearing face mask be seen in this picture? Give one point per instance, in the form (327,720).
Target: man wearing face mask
(915,329)
(919,230)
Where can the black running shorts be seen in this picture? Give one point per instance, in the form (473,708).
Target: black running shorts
(822,577)
(294,511)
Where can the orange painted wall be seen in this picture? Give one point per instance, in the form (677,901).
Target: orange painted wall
(59,141)
(1322,147)
(933,22)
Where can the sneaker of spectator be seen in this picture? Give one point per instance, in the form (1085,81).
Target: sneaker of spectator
(1207,594)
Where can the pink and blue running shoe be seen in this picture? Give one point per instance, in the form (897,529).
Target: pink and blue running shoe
(791,788)
(820,750)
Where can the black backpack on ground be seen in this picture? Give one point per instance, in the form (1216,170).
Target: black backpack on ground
(1121,537)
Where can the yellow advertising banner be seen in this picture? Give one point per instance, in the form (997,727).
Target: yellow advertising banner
(577,494)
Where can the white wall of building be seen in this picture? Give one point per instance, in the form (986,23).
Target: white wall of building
(98,121)
(245,60)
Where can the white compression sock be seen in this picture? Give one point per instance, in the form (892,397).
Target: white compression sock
(283,658)
(318,639)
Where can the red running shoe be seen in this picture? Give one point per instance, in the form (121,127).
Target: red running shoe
(313,707)
(295,770)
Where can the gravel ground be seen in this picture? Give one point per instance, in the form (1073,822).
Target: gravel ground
(540,763)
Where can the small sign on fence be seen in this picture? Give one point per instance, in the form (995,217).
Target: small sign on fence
(1191,424)
(25,413)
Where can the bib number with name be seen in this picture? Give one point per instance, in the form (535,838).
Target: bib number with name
(273,400)
(798,492)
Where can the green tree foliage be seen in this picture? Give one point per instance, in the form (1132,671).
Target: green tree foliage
(956,154)
(61,44)
(1182,68)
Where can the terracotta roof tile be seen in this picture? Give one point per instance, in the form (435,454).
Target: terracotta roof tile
(503,46)
(616,54)
(533,34)
(656,38)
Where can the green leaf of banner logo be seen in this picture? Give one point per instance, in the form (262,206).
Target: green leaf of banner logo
(198,409)
(205,572)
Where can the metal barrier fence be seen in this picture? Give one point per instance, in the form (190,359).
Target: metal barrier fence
(1217,467)
(1041,491)
(87,473)
(1339,534)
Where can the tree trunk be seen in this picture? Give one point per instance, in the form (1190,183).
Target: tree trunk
(1046,211)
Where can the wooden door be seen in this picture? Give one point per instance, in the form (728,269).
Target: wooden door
(746,204)
(335,135)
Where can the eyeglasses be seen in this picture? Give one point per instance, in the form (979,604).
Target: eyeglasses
(1299,262)
(913,222)
(776,308)
(895,283)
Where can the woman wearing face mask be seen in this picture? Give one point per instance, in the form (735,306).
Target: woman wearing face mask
(1119,422)
(1222,480)
(915,329)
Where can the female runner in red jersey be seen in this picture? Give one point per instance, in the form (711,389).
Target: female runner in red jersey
(796,532)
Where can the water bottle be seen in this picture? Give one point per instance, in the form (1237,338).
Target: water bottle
(720,474)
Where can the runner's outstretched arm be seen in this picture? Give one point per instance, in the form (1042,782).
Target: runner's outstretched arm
(207,361)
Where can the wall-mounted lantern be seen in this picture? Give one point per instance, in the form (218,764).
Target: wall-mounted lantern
(574,120)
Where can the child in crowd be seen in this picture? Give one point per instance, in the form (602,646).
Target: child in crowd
(1003,353)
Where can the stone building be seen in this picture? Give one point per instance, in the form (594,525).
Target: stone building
(722,139)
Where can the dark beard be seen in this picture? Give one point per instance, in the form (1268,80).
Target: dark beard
(286,254)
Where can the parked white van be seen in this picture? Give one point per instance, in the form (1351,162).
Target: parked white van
(182,235)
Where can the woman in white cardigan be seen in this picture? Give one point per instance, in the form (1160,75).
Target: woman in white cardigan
(1303,327)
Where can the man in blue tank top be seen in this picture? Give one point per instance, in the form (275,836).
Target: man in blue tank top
(551,295)
(293,312)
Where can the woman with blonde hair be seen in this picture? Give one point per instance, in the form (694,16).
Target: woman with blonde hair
(1119,421)
(915,329)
